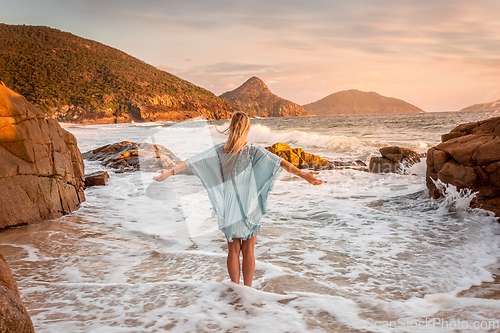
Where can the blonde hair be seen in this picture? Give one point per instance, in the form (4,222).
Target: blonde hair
(237,131)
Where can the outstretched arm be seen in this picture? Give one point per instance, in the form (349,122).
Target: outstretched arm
(165,173)
(309,176)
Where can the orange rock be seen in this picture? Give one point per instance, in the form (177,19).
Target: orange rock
(13,315)
(462,148)
(297,156)
(488,153)
(131,156)
(451,135)
(382,165)
(469,157)
(440,158)
(430,158)
(6,278)
(96,178)
(458,175)
(40,164)
(392,158)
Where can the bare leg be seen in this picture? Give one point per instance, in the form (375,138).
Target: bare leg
(247,247)
(233,259)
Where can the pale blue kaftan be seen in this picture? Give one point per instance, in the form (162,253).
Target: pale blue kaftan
(239,202)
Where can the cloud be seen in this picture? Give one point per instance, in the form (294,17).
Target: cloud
(445,28)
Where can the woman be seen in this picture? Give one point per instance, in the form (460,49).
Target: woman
(238,176)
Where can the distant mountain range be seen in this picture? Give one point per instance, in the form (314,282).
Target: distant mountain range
(79,80)
(255,98)
(359,102)
(492,106)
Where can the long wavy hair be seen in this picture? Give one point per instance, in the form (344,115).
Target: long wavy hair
(238,130)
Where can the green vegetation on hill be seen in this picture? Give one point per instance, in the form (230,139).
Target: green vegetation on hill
(74,79)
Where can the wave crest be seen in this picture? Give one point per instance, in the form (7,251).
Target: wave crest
(319,142)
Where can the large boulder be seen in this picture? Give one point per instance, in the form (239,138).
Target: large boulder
(131,156)
(394,159)
(469,157)
(13,314)
(41,166)
(302,160)
(298,157)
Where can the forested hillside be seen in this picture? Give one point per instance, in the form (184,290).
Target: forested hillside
(80,80)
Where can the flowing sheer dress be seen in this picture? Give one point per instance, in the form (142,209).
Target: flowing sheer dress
(239,202)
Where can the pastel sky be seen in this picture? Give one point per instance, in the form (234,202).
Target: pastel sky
(441,55)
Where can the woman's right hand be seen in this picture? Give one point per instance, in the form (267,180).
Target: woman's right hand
(165,173)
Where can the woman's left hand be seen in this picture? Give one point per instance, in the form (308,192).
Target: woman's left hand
(311,179)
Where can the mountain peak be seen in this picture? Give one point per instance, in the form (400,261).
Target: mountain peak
(255,98)
(254,83)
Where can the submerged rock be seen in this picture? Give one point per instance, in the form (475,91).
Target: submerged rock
(40,164)
(394,159)
(131,156)
(13,314)
(469,157)
(97,178)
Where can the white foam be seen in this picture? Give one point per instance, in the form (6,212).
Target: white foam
(459,199)
(335,146)
(31,252)
(359,246)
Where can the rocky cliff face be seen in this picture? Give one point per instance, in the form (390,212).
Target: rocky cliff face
(255,98)
(359,102)
(13,315)
(469,157)
(41,167)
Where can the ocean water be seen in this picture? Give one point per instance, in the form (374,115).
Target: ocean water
(360,253)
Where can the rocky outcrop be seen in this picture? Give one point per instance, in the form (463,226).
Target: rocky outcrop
(98,178)
(297,156)
(255,98)
(492,106)
(394,159)
(469,157)
(131,156)
(302,160)
(41,168)
(13,314)
(359,102)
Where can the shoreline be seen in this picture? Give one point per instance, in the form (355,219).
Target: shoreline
(486,290)
(105,122)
